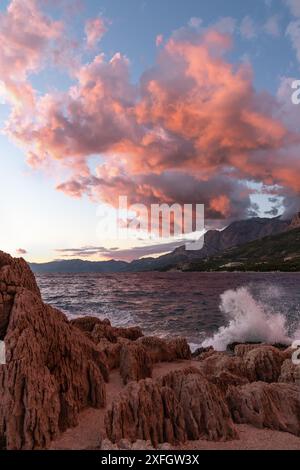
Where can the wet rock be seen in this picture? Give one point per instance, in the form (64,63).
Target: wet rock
(290,372)
(248,345)
(203,353)
(220,362)
(263,363)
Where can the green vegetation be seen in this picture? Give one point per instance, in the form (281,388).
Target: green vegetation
(274,253)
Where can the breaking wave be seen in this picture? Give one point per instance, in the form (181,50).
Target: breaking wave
(249,319)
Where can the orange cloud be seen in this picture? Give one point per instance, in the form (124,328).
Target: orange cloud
(25,36)
(95,29)
(192,130)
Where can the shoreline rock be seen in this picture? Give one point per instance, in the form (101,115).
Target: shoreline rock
(57,368)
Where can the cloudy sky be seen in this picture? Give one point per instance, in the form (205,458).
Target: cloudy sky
(159,100)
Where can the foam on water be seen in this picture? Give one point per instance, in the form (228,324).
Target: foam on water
(251,319)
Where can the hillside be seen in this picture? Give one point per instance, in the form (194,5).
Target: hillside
(273,253)
(215,242)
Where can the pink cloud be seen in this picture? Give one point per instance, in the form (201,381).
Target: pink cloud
(191,130)
(25,37)
(95,29)
(21,251)
(159,40)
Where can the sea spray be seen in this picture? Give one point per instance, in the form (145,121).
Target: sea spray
(249,319)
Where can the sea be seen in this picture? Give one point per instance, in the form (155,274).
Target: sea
(206,308)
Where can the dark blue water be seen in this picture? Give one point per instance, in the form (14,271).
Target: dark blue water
(185,304)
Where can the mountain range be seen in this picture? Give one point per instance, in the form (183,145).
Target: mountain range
(216,242)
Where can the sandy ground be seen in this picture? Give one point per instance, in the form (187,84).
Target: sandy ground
(90,430)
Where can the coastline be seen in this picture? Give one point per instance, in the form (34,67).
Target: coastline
(65,378)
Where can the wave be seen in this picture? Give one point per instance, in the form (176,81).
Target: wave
(249,319)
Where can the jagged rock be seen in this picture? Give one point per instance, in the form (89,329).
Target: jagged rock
(241,349)
(98,329)
(52,372)
(205,410)
(263,363)
(275,406)
(162,350)
(203,353)
(15,273)
(111,352)
(226,379)
(290,372)
(88,323)
(132,333)
(135,362)
(180,348)
(220,362)
(146,411)
(231,348)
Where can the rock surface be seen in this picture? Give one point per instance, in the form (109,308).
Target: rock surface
(146,411)
(57,369)
(204,407)
(52,370)
(181,405)
(263,363)
(135,362)
(274,406)
(162,350)
(290,372)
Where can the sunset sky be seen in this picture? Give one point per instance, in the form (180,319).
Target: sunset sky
(185,101)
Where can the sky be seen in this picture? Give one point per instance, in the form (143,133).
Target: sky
(160,101)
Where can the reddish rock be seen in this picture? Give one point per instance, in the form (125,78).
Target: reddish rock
(162,350)
(226,379)
(146,411)
(219,362)
(111,352)
(241,349)
(101,329)
(290,372)
(274,406)
(52,372)
(202,353)
(135,362)
(263,363)
(206,413)
(132,333)
(88,323)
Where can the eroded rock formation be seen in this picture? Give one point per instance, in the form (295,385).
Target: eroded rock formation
(52,370)
(274,406)
(181,405)
(135,362)
(56,368)
(147,411)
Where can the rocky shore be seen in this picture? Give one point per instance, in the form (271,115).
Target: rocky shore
(86,384)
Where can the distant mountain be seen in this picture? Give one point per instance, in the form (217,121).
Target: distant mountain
(79,266)
(215,242)
(273,253)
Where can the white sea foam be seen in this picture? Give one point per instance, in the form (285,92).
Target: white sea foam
(249,319)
